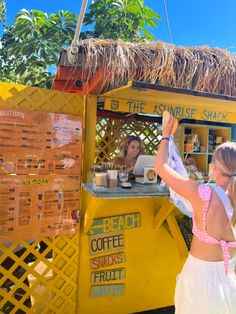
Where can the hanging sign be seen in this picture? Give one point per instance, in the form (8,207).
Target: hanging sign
(33,142)
(36,206)
(213,113)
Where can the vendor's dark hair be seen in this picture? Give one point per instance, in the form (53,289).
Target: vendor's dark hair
(128,140)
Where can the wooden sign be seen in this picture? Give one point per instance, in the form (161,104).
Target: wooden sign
(115,223)
(102,243)
(107,290)
(107,275)
(107,260)
(201,112)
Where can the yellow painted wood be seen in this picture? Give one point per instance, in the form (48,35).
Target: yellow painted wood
(154,102)
(89,131)
(151,263)
(166,213)
(91,210)
(163,213)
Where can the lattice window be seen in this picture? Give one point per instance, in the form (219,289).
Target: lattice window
(110,133)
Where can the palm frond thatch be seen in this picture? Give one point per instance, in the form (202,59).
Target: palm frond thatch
(200,68)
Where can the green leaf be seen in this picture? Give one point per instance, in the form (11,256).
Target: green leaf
(25,11)
(24,17)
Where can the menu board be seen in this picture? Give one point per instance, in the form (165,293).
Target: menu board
(33,142)
(40,165)
(36,206)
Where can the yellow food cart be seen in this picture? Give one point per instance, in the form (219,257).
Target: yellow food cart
(152,246)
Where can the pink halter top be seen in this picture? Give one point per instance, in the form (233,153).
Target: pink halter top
(205,193)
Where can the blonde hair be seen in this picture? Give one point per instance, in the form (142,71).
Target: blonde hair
(125,145)
(225,160)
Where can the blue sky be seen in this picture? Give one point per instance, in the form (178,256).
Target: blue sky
(192,23)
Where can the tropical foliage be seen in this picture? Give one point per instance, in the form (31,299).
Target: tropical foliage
(2,11)
(30,48)
(120,19)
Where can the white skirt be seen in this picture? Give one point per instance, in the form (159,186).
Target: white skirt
(203,288)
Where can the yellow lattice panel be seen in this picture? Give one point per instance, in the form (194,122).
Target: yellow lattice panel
(110,133)
(39,276)
(32,98)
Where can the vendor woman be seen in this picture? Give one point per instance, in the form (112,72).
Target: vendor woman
(129,152)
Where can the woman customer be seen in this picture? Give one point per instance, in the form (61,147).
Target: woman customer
(207,283)
(129,152)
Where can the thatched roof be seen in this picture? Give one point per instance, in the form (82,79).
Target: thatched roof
(199,68)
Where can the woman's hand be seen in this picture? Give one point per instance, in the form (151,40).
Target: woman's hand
(170,127)
(169,124)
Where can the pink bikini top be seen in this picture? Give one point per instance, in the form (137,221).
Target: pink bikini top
(205,193)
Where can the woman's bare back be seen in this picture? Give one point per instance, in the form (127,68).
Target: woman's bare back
(217,226)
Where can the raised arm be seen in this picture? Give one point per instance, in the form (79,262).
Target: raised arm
(183,186)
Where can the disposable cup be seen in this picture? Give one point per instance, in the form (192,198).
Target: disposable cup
(101,179)
(112,178)
(112,174)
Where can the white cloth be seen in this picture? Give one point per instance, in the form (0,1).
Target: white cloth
(203,288)
(175,162)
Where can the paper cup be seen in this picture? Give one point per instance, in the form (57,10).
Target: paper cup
(112,178)
(101,179)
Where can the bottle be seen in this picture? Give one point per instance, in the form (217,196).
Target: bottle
(196,144)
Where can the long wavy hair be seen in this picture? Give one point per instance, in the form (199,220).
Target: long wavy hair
(126,143)
(225,160)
